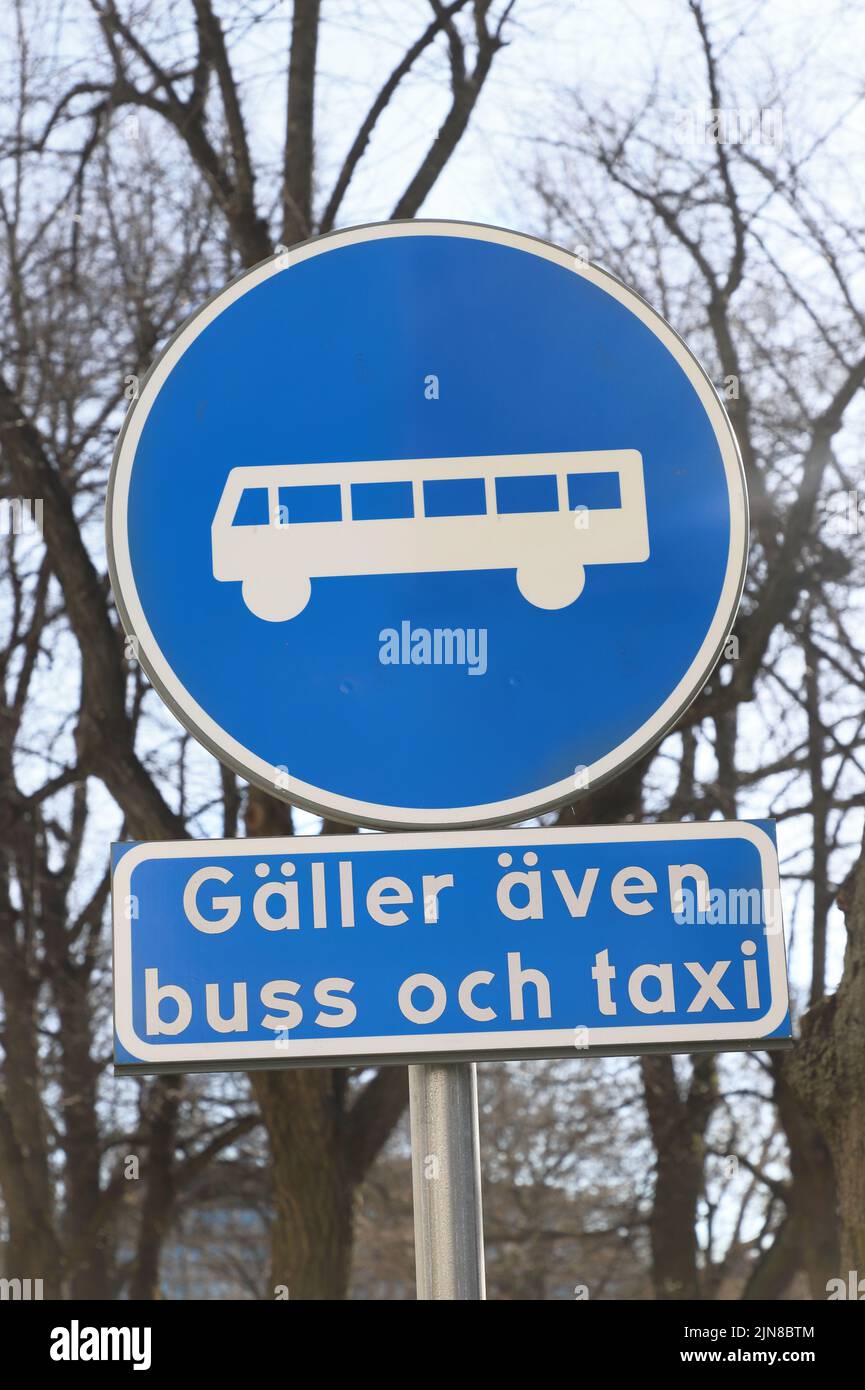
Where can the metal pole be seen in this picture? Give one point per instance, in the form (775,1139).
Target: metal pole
(446,1177)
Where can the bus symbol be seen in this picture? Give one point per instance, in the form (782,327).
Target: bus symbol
(546,516)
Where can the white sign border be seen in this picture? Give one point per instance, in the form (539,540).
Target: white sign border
(539,1042)
(354,810)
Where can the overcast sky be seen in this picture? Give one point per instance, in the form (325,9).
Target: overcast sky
(608,50)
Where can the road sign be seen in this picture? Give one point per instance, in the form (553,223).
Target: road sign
(373,948)
(427,523)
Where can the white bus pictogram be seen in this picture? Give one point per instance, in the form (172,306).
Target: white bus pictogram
(422,516)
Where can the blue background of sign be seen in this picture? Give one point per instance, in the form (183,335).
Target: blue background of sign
(325,362)
(470,935)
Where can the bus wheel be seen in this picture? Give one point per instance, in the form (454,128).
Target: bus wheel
(547,588)
(275,601)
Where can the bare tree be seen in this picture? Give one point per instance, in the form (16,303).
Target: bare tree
(708,227)
(102,262)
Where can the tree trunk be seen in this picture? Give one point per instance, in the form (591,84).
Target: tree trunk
(304,1115)
(813,1199)
(678,1128)
(303,1111)
(827,1072)
(32,1248)
(157,1207)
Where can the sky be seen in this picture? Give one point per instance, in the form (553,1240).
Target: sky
(607,50)
(604,49)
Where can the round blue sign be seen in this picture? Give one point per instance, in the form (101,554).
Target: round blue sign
(427,523)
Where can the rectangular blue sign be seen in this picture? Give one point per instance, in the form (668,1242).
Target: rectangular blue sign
(509,943)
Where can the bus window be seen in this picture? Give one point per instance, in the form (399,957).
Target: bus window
(593,490)
(534,493)
(251,507)
(454,497)
(313,502)
(381,501)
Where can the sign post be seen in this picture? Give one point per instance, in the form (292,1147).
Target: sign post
(431,526)
(353,950)
(446,1179)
